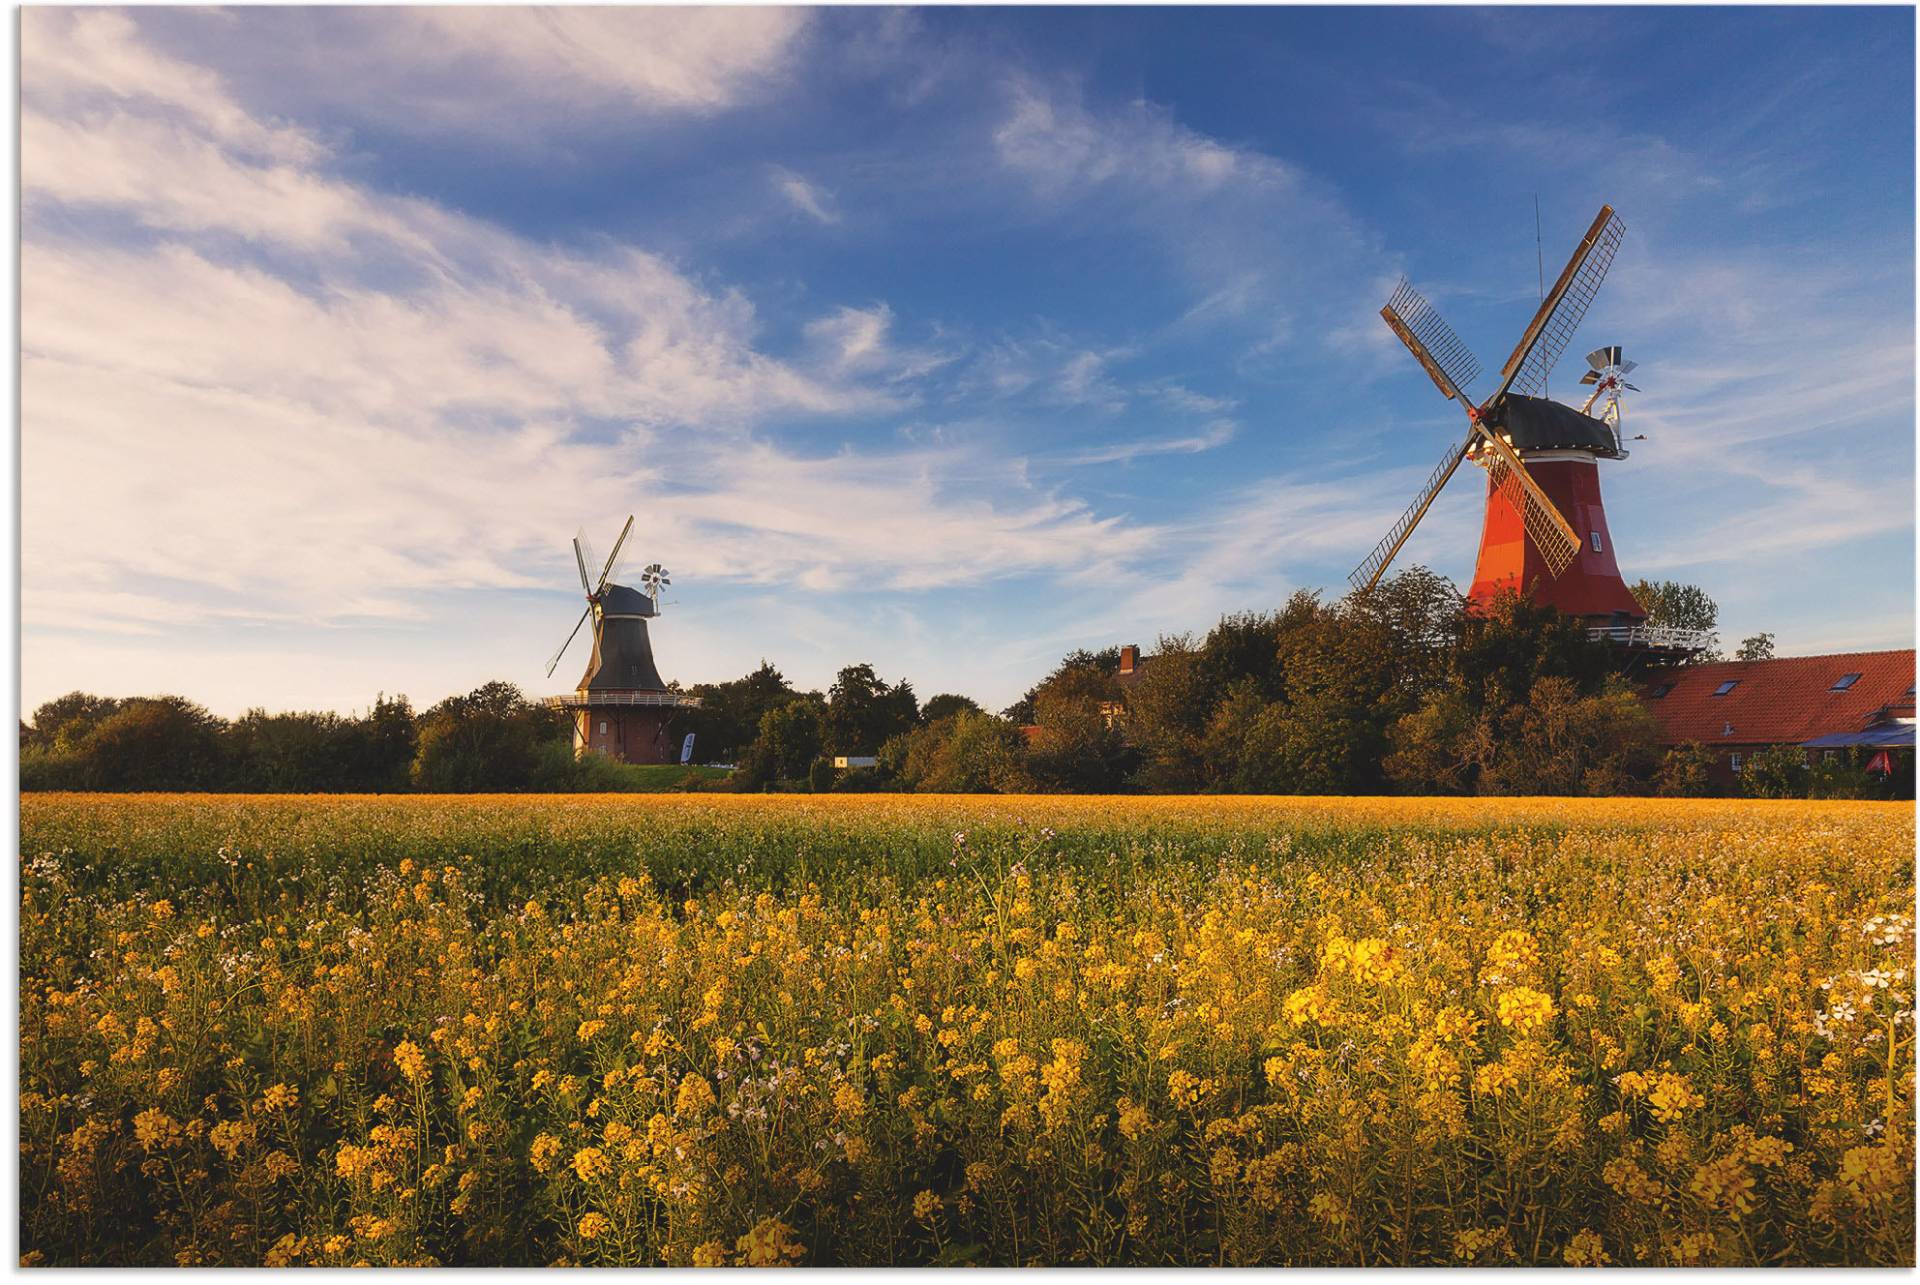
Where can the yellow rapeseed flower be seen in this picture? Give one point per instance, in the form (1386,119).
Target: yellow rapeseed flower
(591,1164)
(1524,1009)
(411,1061)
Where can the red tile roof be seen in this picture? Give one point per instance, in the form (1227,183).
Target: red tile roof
(1782,701)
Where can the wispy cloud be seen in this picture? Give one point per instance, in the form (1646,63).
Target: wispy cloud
(506,73)
(809,199)
(1064,147)
(296,397)
(1270,251)
(1216,434)
(860,341)
(300,394)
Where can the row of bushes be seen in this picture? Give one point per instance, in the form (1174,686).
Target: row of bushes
(492,738)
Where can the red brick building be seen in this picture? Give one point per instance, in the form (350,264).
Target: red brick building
(1829,706)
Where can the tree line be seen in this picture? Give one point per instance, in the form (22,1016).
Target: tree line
(492,738)
(1399,689)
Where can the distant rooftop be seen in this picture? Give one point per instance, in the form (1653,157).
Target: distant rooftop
(1786,701)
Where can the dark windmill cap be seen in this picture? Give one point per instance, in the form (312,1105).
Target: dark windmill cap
(1541,424)
(619,600)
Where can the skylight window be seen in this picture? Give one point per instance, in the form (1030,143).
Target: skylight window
(1661,690)
(1846,681)
(1726,687)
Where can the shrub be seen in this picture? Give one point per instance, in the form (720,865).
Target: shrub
(1776,772)
(1686,771)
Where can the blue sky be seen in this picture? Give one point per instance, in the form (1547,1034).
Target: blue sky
(944,339)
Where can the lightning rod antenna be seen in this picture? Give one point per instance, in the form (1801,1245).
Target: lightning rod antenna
(1540,266)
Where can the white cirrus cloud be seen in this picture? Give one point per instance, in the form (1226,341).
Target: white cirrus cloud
(1267,248)
(1063,146)
(503,73)
(808,198)
(1215,434)
(289,396)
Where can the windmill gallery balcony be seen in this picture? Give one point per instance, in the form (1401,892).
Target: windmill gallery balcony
(584,700)
(1654,638)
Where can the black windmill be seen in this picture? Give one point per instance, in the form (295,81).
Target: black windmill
(622,707)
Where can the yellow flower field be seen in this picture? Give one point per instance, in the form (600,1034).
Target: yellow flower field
(858,1029)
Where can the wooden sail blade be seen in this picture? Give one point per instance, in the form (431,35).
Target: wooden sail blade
(1368,573)
(1560,314)
(1449,363)
(614,557)
(580,560)
(555,662)
(1541,518)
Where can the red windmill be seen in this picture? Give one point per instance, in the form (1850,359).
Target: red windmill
(1545,531)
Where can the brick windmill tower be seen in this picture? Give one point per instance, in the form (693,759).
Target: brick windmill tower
(621,708)
(1545,529)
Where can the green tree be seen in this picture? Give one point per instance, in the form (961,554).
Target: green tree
(1758,647)
(1169,706)
(1224,760)
(730,712)
(1776,772)
(62,723)
(1345,684)
(967,752)
(1556,741)
(946,705)
(1673,605)
(1244,647)
(1346,672)
(1561,742)
(50,747)
(293,752)
(791,737)
(1420,619)
(388,737)
(1081,672)
(1077,745)
(1510,643)
(157,743)
(1686,772)
(863,711)
(489,739)
(1431,747)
